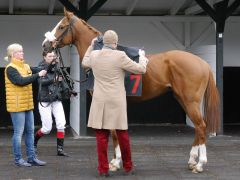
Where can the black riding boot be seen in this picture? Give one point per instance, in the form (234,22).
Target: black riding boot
(37,136)
(60,151)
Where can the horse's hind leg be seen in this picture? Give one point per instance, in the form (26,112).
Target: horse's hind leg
(114,164)
(199,144)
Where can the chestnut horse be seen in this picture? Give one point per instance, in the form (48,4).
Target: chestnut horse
(189,77)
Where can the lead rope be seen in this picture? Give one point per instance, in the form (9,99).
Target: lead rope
(66,76)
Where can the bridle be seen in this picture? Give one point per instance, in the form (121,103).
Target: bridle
(62,69)
(65,74)
(68,29)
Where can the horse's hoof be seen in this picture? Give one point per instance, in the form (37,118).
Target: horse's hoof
(197,169)
(194,170)
(113,168)
(114,165)
(191,166)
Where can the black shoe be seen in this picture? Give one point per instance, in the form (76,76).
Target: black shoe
(129,173)
(105,175)
(35,149)
(62,153)
(36,139)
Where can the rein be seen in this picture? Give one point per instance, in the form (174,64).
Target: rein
(69,29)
(63,71)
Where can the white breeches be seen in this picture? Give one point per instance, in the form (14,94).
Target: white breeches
(56,109)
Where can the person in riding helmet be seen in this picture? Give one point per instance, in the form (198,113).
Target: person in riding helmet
(50,102)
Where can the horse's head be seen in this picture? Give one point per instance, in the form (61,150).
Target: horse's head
(62,34)
(70,30)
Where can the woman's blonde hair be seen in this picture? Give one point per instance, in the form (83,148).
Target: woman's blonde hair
(11,49)
(110,37)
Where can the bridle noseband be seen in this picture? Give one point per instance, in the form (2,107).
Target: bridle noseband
(69,29)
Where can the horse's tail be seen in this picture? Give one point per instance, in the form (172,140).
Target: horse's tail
(212,106)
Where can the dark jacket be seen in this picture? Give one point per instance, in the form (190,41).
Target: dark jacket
(49,89)
(15,77)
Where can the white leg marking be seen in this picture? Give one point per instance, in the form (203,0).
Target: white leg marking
(118,152)
(193,155)
(115,163)
(202,154)
(202,159)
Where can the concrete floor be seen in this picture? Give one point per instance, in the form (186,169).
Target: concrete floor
(159,152)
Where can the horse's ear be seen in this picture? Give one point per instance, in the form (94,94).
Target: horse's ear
(67,13)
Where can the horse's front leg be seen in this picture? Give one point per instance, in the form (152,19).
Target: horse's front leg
(115,163)
(202,148)
(198,154)
(199,148)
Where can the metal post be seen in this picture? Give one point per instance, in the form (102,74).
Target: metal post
(219,73)
(75,102)
(83,104)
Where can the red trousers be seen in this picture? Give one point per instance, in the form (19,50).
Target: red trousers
(102,136)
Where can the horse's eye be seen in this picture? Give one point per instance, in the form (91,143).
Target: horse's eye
(60,27)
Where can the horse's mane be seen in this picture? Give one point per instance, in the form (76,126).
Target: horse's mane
(90,27)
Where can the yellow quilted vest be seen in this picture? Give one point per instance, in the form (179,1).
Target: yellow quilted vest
(18,98)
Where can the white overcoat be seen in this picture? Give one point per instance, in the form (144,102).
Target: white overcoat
(109,108)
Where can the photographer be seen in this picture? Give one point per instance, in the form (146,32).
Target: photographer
(50,101)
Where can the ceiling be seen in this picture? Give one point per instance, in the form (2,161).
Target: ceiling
(110,8)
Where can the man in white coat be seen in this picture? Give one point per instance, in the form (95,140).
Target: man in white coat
(109,108)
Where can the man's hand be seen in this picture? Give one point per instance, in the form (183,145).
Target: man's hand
(141,52)
(59,78)
(93,41)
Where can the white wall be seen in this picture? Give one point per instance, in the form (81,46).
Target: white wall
(158,34)
(155,34)
(28,31)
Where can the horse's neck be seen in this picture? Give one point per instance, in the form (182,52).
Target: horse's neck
(81,48)
(82,42)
